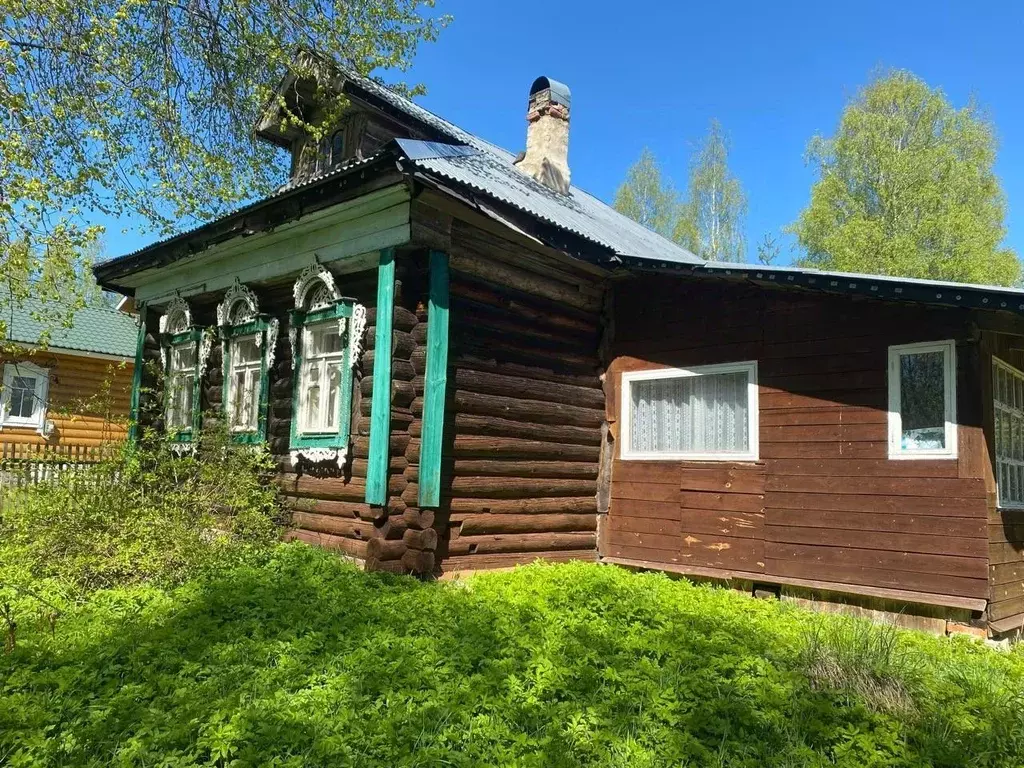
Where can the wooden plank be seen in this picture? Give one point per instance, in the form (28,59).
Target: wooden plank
(1005,608)
(935,525)
(1006,573)
(665,510)
(783,417)
(706,551)
(839,450)
(1004,552)
(435,380)
(645,491)
(865,576)
(824,433)
(850,467)
(654,525)
(881,486)
(722,502)
(1008,624)
(825,557)
(646,472)
(744,525)
(380,408)
(920,543)
(947,506)
(749,479)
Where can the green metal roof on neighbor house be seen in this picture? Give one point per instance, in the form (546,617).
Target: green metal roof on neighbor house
(94,329)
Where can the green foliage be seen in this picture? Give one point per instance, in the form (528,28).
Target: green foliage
(906,187)
(646,197)
(147,109)
(711,221)
(306,661)
(143,516)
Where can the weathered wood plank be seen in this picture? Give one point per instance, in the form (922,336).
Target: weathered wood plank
(380,415)
(436,378)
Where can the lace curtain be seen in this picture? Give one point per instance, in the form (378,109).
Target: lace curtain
(691,414)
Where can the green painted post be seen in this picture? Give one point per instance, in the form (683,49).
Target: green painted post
(380,406)
(140,344)
(434,383)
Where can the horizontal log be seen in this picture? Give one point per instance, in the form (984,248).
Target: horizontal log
(425,539)
(473,524)
(468,424)
(384,549)
(519,409)
(512,468)
(351,547)
(538,373)
(355,510)
(340,526)
(525,506)
(419,562)
(525,542)
(334,488)
(487,269)
(503,487)
(544,313)
(487,383)
(481,447)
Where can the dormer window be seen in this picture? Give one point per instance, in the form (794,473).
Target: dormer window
(337,148)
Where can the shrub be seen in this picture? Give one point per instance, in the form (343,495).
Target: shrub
(146,515)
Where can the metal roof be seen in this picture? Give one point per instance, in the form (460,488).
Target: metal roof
(940,292)
(94,329)
(492,173)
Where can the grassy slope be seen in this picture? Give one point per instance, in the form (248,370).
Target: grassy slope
(309,662)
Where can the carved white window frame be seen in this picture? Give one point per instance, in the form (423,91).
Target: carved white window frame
(40,392)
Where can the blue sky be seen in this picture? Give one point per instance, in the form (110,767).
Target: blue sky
(654,73)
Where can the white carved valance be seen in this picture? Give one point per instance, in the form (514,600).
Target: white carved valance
(315,288)
(239,306)
(320,456)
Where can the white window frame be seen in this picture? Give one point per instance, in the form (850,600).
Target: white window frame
(748,367)
(42,377)
(896,450)
(174,375)
(325,360)
(253,382)
(998,406)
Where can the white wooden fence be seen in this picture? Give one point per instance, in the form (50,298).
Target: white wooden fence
(27,463)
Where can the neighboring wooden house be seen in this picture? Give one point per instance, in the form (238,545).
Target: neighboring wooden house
(65,388)
(463,362)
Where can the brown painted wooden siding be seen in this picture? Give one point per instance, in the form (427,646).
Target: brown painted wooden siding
(525,406)
(89,400)
(1006,526)
(823,503)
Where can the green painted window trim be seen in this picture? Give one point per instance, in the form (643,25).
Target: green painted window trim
(227,334)
(191,336)
(140,347)
(380,407)
(300,320)
(434,383)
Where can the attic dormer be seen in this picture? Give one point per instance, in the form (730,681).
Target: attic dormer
(361,130)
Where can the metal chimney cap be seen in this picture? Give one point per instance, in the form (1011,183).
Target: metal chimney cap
(560,93)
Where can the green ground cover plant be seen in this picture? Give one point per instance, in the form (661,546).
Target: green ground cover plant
(299,659)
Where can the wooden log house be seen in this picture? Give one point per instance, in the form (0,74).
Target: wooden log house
(463,362)
(66,387)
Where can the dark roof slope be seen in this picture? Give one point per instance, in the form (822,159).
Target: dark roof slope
(94,329)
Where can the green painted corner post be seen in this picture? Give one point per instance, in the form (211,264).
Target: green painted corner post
(140,345)
(380,405)
(434,383)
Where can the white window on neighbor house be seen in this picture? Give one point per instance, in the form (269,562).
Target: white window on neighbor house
(707,413)
(922,401)
(1008,417)
(320,379)
(23,400)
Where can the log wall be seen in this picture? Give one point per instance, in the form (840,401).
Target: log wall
(524,410)
(88,400)
(824,504)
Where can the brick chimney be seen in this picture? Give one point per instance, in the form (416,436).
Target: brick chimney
(547,135)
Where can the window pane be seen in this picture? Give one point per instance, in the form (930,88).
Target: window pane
(23,397)
(331,402)
(923,401)
(245,351)
(691,414)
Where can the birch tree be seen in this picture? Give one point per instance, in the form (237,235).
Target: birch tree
(712,220)
(146,109)
(647,197)
(906,187)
